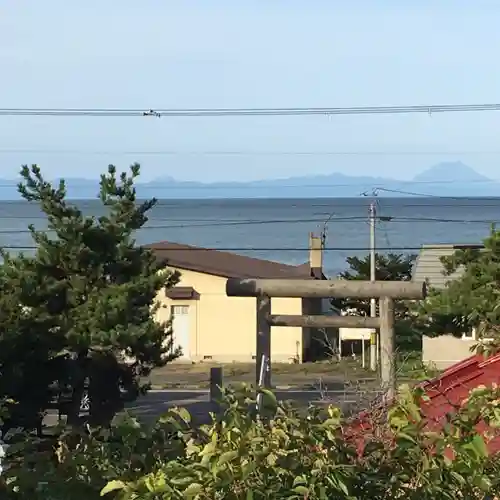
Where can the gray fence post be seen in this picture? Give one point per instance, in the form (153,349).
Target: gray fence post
(216,384)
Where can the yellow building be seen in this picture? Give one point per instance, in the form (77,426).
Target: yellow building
(210,326)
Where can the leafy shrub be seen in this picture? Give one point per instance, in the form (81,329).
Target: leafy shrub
(280,454)
(79,463)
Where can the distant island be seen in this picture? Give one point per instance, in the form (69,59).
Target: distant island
(445,179)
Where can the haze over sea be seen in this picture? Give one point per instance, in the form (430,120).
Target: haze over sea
(277,229)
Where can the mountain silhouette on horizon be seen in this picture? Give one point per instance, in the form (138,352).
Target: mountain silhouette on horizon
(444,179)
(455,171)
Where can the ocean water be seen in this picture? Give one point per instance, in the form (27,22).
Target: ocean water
(277,229)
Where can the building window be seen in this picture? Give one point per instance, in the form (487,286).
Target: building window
(470,335)
(179,310)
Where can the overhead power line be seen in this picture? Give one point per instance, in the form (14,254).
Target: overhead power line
(146,152)
(491,202)
(376,191)
(315,216)
(436,219)
(196,224)
(413,193)
(260,249)
(476,202)
(357,219)
(224,112)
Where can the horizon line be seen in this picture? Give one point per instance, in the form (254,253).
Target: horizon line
(254,183)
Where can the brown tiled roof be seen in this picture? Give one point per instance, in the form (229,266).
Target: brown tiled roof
(225,264)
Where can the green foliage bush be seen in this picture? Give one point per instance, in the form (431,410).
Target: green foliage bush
(280,454)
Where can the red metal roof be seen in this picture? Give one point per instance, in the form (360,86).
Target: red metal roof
(447,391)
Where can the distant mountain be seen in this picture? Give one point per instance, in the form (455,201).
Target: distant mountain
(444,179)
(450,172)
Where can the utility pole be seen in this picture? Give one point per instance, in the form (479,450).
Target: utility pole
(373,303)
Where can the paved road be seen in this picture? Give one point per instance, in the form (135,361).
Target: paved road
(157,402)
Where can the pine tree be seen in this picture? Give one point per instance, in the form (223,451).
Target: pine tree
(26,349)
(388,267)
(90,293)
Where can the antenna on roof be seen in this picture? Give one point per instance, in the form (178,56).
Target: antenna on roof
(324,230)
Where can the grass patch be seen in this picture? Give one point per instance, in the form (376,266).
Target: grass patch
(337,375)
(177,375)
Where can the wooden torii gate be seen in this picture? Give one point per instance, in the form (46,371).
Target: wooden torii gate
(385,291)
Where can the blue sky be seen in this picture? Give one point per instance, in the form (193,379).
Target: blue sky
(262,53)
